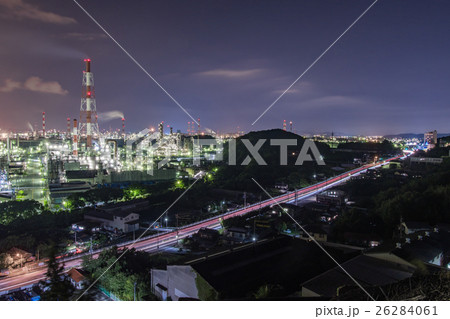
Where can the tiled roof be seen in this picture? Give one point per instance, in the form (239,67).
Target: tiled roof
(76,275)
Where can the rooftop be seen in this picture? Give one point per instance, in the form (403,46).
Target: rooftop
(368,271)
(76,274)
(284,260)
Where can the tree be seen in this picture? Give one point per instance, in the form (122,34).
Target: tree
(59,288)
(5,261)
(266,291)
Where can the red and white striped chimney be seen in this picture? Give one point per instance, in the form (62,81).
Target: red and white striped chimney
(88,105)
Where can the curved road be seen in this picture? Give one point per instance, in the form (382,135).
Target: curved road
(154,242)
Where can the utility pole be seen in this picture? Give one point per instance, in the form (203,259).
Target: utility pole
(157,235)
(176,217)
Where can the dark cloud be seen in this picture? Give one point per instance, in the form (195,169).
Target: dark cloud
(20,9)
(34,84)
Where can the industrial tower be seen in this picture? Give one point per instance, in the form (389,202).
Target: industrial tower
(88,109)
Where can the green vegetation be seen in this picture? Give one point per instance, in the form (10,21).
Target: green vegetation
(59,288)
(5,261)
(426,199)
(38,233)
(396,195)
(205,291)
(429,287)
(133,267)
(13,210)
(106,195)
(384,147)
(239,177)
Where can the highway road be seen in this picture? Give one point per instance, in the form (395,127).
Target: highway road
(155,242)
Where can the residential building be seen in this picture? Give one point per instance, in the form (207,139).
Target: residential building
(117,220)
(239,272)
(331,196)
(237,234)
(315,231)
(77,278)
(430,137)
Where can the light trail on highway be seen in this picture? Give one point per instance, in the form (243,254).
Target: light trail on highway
(155,242)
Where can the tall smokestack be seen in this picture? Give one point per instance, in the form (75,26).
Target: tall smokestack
(43,124)
(123,127)
(290,126)
(284,125)
(8,148)
(88,124)
(161,130)
(75,138)
(88,65)
(88,105)
(189,128)
(68,127)
(198,128)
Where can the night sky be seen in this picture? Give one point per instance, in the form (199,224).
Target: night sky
(227,61)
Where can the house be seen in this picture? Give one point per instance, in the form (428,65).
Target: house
(413,227)
(283,187)
(237,234)
(331,197)
(315,231)
(363,239)
(115,220)
(77,278)
(237,273)
(208,234)
(206,238)
(317,207)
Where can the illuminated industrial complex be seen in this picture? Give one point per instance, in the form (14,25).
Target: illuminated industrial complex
(48,165)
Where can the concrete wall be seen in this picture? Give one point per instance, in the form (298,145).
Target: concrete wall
(182,282)
(179,281)
(309,293)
